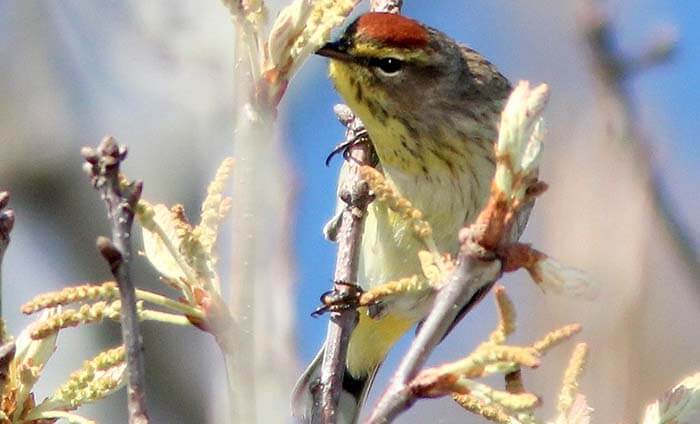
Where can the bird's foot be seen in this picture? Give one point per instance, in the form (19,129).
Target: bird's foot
(345,296)
(359,136)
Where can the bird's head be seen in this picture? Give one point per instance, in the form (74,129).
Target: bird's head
(418,92)
(387,64)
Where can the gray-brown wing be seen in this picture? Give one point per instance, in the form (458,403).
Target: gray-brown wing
(491,83)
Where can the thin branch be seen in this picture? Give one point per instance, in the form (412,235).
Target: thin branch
(120,197)
(470,275)
(613,69)
(7,221)
(355,193)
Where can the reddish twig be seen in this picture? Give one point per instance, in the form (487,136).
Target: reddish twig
(120,197)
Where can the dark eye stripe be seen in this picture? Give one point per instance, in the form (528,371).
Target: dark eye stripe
(389,65)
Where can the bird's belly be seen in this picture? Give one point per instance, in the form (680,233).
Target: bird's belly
(390,248)
(390,251)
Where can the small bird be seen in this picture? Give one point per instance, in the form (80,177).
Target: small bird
(431,108)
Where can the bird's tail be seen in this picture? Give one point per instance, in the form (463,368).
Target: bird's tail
(352,397)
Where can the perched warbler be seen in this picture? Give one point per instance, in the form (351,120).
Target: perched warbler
(431,108)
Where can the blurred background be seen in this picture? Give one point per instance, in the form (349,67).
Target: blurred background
(159,76)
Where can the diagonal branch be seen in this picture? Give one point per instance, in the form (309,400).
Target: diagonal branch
(468,278)
(483,245)
(120,197)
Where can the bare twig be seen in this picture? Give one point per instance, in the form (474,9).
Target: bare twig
(613,69)
(355,193)
(102,165)
(7,221)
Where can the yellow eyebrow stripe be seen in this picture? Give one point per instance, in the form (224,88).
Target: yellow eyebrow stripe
(370,50)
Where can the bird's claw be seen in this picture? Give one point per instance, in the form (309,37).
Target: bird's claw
(339,300)
(343,147)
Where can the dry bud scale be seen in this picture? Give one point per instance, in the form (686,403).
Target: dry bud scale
(431,107)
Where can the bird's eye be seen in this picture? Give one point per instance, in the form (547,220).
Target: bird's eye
(389,65)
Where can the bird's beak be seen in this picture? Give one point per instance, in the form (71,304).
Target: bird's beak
(335,50)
